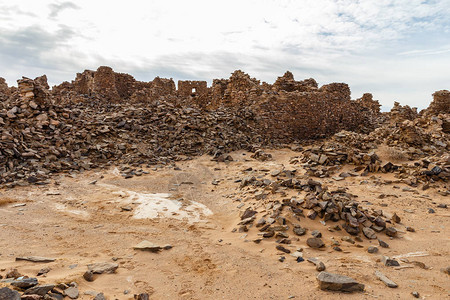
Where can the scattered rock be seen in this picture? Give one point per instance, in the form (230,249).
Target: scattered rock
(320,266)
(104,267)
(40,290)
(391,231)
(141,297)
(383,244)
(72,292)
(13,273)
(336,282)
(415,294)
(316,234)
(43,271)
(25,283)
(315,242)
(389,262)
(88,276)
(149,246)
(385,280)
(372,249)
(7,294)
(100,296)
(282,249)
(369,233)
(298,230)
(446,270)
(37,259)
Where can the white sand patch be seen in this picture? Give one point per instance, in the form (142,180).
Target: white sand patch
(160,205)
(62,207)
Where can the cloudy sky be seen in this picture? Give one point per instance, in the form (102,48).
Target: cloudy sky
(399,50)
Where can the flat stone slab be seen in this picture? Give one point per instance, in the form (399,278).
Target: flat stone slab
(105,267)
(385,280)
(25,283)
(149,246)
(40,290)
(38,259)
(336,282)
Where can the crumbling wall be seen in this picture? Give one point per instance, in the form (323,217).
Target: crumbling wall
(192,88)
(284,111)
(288,84)
(367,101)
(4,89)
(36,90)
(299,115)
(440,103)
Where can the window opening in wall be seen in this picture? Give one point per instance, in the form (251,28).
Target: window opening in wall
(194,90)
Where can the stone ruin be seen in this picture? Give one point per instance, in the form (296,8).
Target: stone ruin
(440,103)
(286,110)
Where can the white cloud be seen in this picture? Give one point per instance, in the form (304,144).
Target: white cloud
(368,44)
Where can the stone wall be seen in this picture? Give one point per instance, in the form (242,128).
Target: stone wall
(4,89)
(284,111)
(440,103)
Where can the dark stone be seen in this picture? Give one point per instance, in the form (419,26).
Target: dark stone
(248,214)
(299,230)
(383,244)
(369,233)
(372,249)
(7,294)
(316,234)
(315,242)
(336,282)
(391,231)
(88,276)
(282,249)
(389,262)
(40,290)
(25,283)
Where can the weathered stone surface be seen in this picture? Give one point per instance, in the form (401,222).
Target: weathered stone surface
(336,282)
(72,292)
(315,242)
(389,262)
(385,280)
(372,249)
(320,266)
(25,283)
(37,259)
(149,246)
(369,233)
(40,290)
(8,294)
(104,267)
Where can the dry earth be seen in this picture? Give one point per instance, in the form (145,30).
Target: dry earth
(79,222)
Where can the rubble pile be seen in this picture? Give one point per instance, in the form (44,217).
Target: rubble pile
(104,117)
(40,139)
(281,219)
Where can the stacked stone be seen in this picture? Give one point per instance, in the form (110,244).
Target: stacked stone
(440,103)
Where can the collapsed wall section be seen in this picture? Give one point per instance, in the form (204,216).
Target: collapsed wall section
(440,103)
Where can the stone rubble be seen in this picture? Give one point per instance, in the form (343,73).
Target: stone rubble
(104,118)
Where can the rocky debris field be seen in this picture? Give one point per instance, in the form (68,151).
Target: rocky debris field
(157,200)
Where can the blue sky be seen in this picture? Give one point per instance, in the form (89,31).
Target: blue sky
(397,50)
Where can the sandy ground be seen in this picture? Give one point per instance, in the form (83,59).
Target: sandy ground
(79,223)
